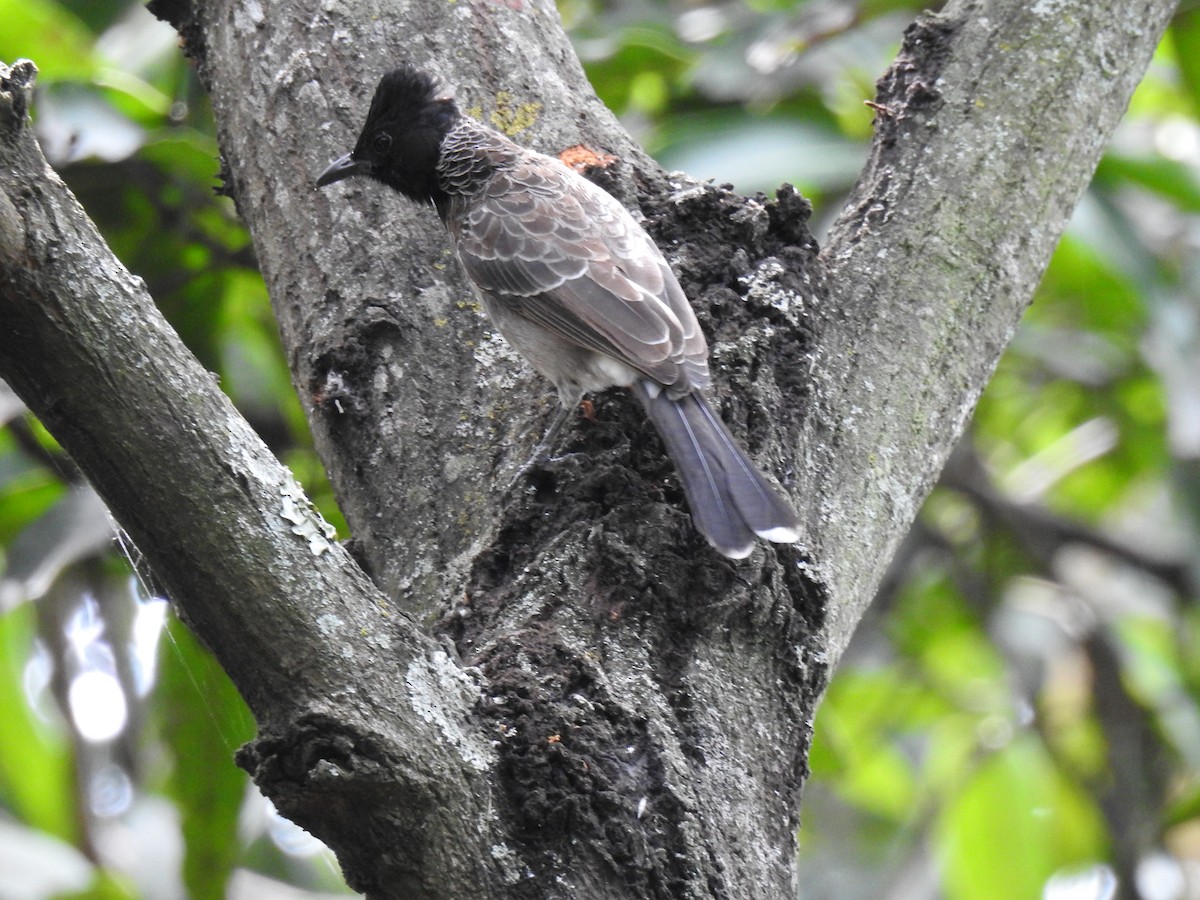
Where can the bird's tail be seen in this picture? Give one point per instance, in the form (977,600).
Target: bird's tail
(731,501)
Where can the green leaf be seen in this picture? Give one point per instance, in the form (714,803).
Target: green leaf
(106,886)
(1169,178)
(854,744)
(758,153)
(36,781)
(1016,822)
(55,38)
(1184,808)
(26,492)
(1185,38)
(204,720)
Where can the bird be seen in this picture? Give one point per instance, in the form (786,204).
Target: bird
(575,285)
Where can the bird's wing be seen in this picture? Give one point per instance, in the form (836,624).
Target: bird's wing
(561,252)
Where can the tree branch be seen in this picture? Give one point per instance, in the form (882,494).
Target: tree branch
(606,632)
(229,532)
(995,115)
(638,720)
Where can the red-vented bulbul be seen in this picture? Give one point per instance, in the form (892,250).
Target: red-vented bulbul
(574,284)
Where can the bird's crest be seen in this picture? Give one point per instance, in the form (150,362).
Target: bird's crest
(405,88)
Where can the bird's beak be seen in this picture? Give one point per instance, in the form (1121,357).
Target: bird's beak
(342,167)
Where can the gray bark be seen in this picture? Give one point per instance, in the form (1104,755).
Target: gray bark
(230,534)
(996,116)
(622,712)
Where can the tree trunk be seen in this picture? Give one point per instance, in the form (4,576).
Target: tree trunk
(557,690)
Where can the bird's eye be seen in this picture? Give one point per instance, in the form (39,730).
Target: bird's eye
(382,142)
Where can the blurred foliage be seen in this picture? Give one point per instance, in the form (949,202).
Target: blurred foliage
(116,753)
(1019,716)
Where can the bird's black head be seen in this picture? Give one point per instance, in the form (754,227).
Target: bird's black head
(401,140)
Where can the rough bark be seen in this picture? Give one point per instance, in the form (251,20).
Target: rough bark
(345,689)
(605,634)
(992,120)
(627,714)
